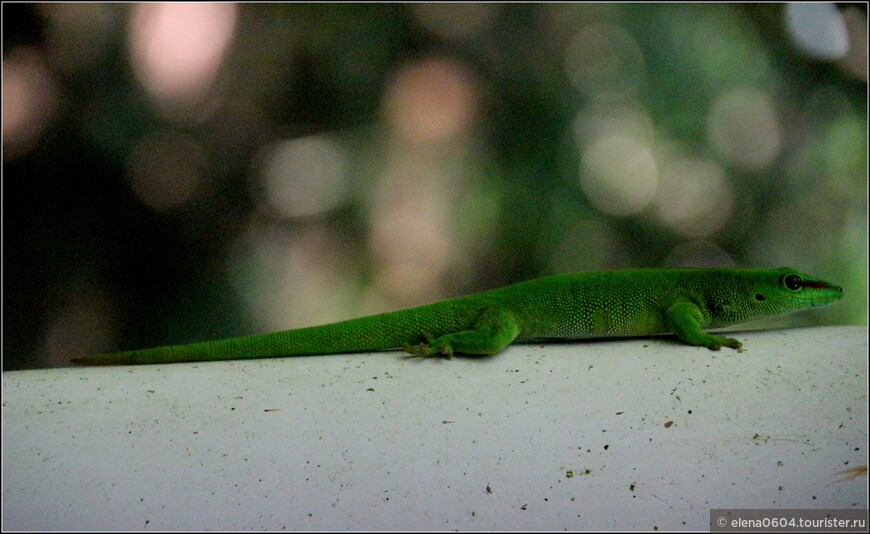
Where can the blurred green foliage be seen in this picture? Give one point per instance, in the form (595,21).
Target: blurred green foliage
(321,161)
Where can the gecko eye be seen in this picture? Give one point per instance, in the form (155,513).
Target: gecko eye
(759,297)
(794,282)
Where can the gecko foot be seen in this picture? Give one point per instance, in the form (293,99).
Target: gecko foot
(425,349)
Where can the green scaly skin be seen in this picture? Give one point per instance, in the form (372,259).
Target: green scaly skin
(622,303)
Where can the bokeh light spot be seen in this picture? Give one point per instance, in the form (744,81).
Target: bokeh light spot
(290,279)
(619,175)
(694,197)
(29,100)
(855,61)
(455,21)
(818,29)
(431,101)
(304,177)
(80,326)
(177,48)
(410,228)
(604,59)
(743,128)
(606,119)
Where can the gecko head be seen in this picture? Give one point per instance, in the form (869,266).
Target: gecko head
(787,290)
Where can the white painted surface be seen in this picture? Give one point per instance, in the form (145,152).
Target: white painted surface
(374,441)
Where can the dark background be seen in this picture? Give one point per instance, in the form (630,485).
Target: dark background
(174,173)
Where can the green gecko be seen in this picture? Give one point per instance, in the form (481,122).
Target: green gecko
(622,303)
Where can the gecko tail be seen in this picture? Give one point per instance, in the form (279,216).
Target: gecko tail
(227,349)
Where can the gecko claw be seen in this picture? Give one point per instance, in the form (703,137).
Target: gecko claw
(426,348)
(416,350)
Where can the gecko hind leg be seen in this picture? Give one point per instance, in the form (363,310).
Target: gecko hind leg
(426,348)
(493,330)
